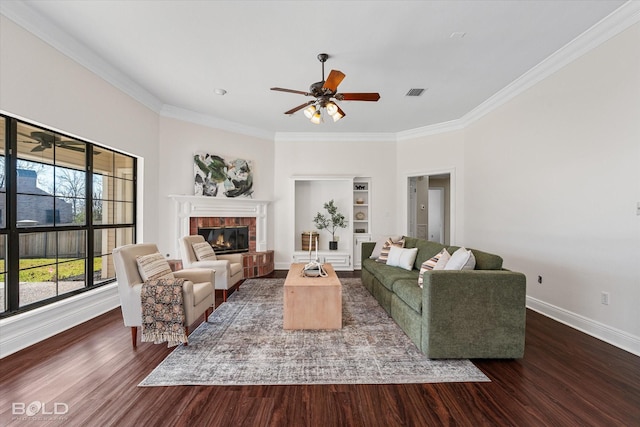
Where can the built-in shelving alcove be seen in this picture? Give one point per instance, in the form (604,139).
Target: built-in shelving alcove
(310,194)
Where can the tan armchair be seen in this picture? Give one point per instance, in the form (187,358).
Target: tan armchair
(229,271)
(197,291)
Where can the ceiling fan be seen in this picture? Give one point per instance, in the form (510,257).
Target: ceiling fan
(326,93)
(46,140)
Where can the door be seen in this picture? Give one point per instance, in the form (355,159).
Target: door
(413,207)
(436,215)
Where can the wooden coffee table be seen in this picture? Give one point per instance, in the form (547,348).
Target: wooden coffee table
(312,302)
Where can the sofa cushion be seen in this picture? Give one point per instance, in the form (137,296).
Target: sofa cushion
(153,266)
(410,242)
(204,251)
(384,253)
(484,260)
(401,257)
(462,259)
(409,292)
(387,275)
(426,250)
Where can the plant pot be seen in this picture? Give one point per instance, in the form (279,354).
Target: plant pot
(333,245)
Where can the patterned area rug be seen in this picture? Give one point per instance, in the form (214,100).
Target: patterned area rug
(244,344)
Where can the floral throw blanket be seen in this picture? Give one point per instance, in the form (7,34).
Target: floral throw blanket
(163,312)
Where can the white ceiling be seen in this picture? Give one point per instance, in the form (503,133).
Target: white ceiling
(180,51)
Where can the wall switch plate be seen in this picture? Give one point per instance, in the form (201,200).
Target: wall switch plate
(604,298)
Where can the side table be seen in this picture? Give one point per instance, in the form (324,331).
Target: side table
(256,264)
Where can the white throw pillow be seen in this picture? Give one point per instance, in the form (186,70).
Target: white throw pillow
(442,262)
(153,267)
(401,257)
(204,251)
(462,259)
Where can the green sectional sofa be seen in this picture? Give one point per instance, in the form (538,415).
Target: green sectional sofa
(476,313)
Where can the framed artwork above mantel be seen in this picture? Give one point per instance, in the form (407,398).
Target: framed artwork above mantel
(216,176)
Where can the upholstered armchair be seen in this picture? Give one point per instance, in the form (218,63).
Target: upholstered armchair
(197,290)
(229,271)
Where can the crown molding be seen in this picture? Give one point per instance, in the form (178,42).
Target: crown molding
(43,28)
(214,122)
(335,136)
(438,128)
(608,27)
(613,24)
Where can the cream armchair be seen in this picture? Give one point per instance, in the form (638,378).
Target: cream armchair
(197,291)
(229,271)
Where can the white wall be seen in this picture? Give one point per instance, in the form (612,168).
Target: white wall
(39,84)
(432,155)
(551,183)
(179,141)
(553,179)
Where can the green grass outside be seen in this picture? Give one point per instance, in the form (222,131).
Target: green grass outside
(44,269)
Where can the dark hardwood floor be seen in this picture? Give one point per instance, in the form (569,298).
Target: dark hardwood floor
(566,378)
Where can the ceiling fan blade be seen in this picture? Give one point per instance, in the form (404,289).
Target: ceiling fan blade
(334,79)
(364,96)
(38,148)
(291,91)
(70,147)
(299,107)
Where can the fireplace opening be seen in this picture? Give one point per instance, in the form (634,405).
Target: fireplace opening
(226,240)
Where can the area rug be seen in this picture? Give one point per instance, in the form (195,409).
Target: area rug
(243,343)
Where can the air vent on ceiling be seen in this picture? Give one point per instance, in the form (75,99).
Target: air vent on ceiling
(415,92)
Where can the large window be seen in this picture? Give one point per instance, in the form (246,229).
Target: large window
(64,205)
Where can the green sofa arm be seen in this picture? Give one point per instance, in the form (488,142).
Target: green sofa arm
(473,314)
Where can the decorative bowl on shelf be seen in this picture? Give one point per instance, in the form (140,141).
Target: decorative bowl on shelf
(360,201)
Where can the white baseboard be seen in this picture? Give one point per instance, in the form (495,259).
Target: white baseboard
(23,330)
(613,336)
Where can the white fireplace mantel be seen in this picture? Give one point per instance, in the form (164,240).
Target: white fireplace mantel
(202,206)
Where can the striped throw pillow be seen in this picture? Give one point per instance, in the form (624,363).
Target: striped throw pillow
(429,264)
(153,267)
(384,253)
(204,251)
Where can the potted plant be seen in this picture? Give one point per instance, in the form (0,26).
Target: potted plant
(331,223)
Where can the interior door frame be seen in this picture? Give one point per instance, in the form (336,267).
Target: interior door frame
(404,215)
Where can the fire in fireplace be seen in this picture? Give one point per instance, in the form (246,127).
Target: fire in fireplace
(226,240)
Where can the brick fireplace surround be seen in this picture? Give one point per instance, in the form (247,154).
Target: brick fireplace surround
(201,211)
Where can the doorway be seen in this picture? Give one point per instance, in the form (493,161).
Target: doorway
(429,207)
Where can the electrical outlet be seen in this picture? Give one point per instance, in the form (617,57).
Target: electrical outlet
(539,279)
(604,298)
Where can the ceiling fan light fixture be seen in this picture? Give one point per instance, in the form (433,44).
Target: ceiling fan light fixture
(332,108)
(309,111)
(316,119)
(338,114)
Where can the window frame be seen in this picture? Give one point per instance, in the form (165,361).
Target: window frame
(12,232)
